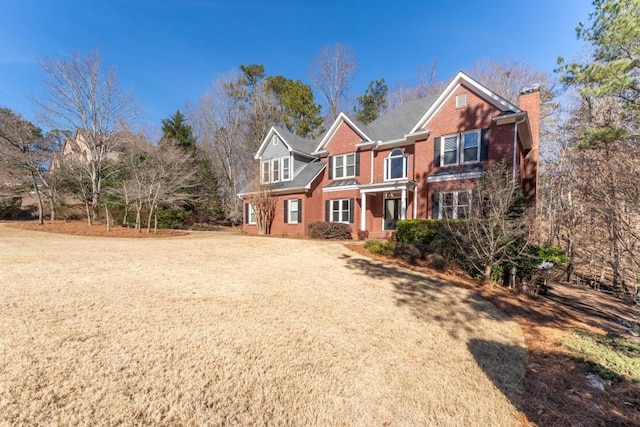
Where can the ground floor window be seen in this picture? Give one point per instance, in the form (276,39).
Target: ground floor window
(339,210)
(451,204)
(251,214)
(293,211)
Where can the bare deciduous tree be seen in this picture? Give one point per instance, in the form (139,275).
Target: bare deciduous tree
(496,223)
(331,73)
(264,206)
(84,96)
(24,152)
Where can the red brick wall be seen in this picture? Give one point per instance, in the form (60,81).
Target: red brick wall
(447,120)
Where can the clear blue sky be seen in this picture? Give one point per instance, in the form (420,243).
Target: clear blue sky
(169,52)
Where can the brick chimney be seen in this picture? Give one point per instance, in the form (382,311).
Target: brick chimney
(529,101)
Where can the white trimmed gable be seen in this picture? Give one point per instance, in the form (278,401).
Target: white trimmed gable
(481,91)
(342,118)
(267,140)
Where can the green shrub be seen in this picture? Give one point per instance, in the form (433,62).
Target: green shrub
(379,247)
(554,254)
(329,231)
(416,231)
(171,217)
(407,253)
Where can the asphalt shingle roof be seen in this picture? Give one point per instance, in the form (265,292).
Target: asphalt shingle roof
(398,122)
(303,177)
(296,142)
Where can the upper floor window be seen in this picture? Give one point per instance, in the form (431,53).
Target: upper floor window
(275,140)
(395,165)
(286,169)
(266,172)
(344,166)
(460,148)
(276,170)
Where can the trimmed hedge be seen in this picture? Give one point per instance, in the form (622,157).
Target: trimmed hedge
(329,231)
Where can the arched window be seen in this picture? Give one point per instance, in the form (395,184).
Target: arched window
(395,165)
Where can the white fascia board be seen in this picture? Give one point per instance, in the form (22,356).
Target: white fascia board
(455,177)
(334,127)
(388,186)
(508,118)
(308,186)
(345,188)
(480,90)
(407,139)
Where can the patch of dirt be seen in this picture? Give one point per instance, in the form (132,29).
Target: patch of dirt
(556,390)
(81,228)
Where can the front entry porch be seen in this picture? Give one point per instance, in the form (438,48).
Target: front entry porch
(387,203)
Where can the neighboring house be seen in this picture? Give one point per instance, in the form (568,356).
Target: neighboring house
(77,150)
(417,161)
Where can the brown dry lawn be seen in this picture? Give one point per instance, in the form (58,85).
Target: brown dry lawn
(221,329)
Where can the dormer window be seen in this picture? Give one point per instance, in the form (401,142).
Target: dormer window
(286,169)
(275,170)
(395,165)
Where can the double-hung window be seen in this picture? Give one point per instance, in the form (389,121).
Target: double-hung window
(340,210)
(344,166)
(471,147)
(266,172)
(293,211)
(460,148)
(453,204)
(251,214)
(275,170)
(450,150)
(395,165)
(286,170)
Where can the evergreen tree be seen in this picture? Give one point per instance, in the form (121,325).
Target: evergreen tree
(372,102)
(176,129)
(300,114)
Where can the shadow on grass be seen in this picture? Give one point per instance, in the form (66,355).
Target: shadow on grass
(503,364)
(431,299)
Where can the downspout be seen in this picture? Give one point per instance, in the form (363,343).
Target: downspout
(515,145)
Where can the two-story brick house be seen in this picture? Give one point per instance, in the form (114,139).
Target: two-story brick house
(417,161)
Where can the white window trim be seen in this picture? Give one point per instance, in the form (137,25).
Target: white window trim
(288,169)
(344,166)
(275,140)
(289,211)
(387,166)
(274,169)
(339,210)
(252,213)
(479,133)
(460,147)
(455,202)
(442,145)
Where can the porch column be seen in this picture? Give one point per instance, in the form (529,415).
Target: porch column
(415,203)
(363,213)
(403,204)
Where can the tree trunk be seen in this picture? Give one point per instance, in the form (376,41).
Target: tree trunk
(39,196)
(106,214)
(88,210)
(486,276)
